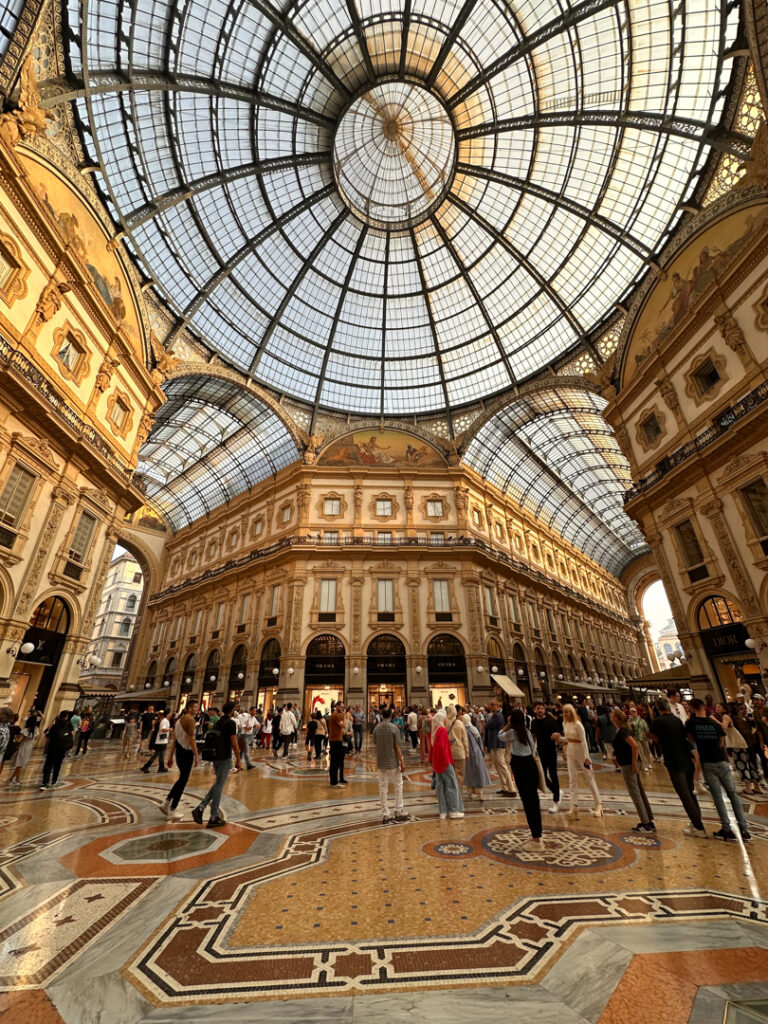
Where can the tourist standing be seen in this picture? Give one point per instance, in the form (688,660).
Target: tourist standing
(526,773)
(184,749)
(245,722)
(84,733)
(709,738)
(288,728)
(497,750)
(579,763)
(457,736)
(412,727)
(29,734)
(147,725)
(425,735)
(129,734)
(669,733)
(626,756)
(449,802)
(224,746)
(389,766)
(676,706)
(475,772)
(336,727)
(60,740)
(358,727)
(639,729)
(266,731)
(277,737)
(544,727)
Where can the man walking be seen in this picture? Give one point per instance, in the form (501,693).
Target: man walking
(709,737)
(159,744)
(412,725)
(678,760)
(358,724)
(184,749)
(225,746)
(389,765)
(497,750)
(542,727)
(288,728)
(336,728)
(147,722)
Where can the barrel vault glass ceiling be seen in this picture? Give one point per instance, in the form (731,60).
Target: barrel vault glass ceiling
(403,207)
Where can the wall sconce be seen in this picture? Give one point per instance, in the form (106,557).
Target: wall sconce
(355,671)
(275,672)
(542,675)
(480,668)
(418,670)
(494,669)
(240,677)
(560,675)
(188,680)
(212,679)
(521,672)
(26,648)
(291,671)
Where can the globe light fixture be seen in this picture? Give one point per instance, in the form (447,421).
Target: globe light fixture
(291,671)
(240,676)
(750,643)
(28,647)
(275,672)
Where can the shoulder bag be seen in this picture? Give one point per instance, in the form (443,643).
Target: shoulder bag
(542,787)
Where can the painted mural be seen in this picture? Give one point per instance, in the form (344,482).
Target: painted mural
(84,236)
(690,275)
(380,448)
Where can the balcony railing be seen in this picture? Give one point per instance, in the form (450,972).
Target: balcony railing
(316,540)
(722,424)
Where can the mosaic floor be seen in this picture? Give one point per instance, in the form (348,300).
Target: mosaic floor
(305,907)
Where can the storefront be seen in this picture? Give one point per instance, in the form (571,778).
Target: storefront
(269,679)
(447,671)
(324,671)
(724,636)
(386,672)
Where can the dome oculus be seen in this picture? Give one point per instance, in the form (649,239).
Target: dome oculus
(394,154)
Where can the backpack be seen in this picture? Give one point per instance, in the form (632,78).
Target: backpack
(215,747)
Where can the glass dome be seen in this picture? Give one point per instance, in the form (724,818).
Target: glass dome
(398,208)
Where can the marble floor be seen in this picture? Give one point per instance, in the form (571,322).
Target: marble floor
(306,907)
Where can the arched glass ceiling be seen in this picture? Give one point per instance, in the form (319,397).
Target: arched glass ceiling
(554,453)
(211,441)
(402,206)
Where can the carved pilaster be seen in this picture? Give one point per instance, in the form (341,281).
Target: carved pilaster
(415,613)
(357,614)
(303,493)
(98,584)
(461,497)
(294,645)
(713,510)
(62,499)
(473,614)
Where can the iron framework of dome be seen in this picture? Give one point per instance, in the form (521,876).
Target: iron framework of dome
(398,209)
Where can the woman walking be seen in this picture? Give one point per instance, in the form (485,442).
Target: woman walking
(457,735)
(579,763)
(741,743)
(639,729)
(449,802)
(526,774)
(626,750)
(184,749)
(475,771)
(129,734)
(60,740)
(29,734)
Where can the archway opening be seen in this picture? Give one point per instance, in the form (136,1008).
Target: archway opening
(661,631)
(324,670)
(211,674)
(522,677)
(269,674)
(447,671)
(39,654)
(385,671)
(724,638)
(238,671)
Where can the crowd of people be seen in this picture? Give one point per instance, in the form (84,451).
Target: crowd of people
(704,746)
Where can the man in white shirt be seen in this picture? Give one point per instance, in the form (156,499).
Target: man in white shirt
(676,706)
(288,726)
(160,744)
(412,724)
(245,723)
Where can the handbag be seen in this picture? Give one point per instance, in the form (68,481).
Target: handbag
(733,739)
(542,787)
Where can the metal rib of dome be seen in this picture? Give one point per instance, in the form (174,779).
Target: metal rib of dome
(554,453)
(224,128)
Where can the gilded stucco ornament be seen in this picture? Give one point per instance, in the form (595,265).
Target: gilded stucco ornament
(28,120)
(756,168)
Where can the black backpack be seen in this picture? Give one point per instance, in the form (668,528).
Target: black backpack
(215,747)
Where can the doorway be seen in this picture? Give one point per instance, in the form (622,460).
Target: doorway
(386,672)
(447,671)
(324,671)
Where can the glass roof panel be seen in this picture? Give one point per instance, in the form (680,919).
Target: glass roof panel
(554,453)
(400,192)
(211,441)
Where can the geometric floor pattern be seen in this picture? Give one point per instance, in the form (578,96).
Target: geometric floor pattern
(306,907)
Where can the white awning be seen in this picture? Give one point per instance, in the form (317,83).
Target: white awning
(508,685)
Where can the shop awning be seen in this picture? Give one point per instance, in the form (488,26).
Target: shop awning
(508,685)
(678,675)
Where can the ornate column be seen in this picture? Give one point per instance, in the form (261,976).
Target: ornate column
(417,681)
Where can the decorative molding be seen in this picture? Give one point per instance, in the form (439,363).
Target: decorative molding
(384,496)
(692,388)
(645,415)
(118,396)
(80,370)
(333,496)
(434,497)
(37,448)
(98,497)
(28,119)
(734,338)
(14,285)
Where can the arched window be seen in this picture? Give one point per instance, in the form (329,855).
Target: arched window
(188,675)
(125,627)
(325,644)
(238,668)
(130,604)
(211,674)
(151,676)
(170,671)
(717,611)
(496,663)
(270,660)
(52,615)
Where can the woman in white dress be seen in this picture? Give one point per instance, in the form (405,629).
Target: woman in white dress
(29,734)
(579,762)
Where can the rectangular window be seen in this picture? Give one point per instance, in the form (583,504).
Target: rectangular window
(490,601)
(442,595)
(383,507)
(650,428)
(332,506)
(119,414)
(81,542)
(690,549)
(258,527)
(477,517)
(385,595)
(384,537)
(286,514)
(15,496)
(577,628)
(70,353)
(245,607)
(565,627)
(550,620)
(499,531)
(533,619)
(514,612)
(327,596)
(117,659)
(755,498)
(137,577)
(330,537)
(437,538)
(706,376)
(177,627)
(219,617)
(274,600)
(434,508)
(198,622)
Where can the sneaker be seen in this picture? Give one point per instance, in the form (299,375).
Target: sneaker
(746,835)
(443,817)
(43,787)
(456,814)
(386,821)
(197,816)
(343,782)
(508,793)
(145,770)
(644,826)
(175,816)
(699,833)
(402,817)
(533,846)
(554,808)
(726,835)
(165,807)
(216,823)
